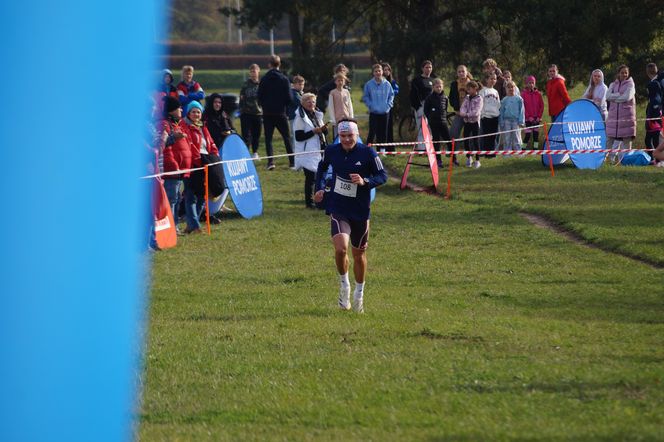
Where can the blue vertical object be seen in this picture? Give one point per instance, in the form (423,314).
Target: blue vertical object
(242,180)
(578,127)
(584,129)
(72,284)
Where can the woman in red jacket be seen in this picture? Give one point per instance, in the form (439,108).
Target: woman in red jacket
(176,152)
(556,92)
(200,142)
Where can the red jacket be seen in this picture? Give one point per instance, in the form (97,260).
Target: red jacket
(195,136)
(556,94)
(177,153)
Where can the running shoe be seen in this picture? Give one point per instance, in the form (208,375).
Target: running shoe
(255,156)
(358,305)
(270,167)
(344,297)
(476,164)
(469,162)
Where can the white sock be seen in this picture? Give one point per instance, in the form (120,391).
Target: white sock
(343,279)
(359,290)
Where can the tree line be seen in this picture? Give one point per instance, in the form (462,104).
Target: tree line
(524,36)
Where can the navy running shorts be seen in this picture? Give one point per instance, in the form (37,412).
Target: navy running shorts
(357,230)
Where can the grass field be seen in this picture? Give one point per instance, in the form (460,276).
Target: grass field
(478,325)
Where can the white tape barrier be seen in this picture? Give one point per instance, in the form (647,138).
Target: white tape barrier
(422,152)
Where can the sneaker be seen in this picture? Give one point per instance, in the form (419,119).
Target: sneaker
(476,164)
(456,163)
(440,164)
(358,305)
(344,297)
(292,168)
(255,156)
(270,167)
(469,162)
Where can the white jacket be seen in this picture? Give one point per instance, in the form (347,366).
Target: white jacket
(312,145)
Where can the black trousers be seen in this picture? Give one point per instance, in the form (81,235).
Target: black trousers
(652,140)
(390,127)
(489,126)
(251,130)
(281,123)
(378,129)
(439,132)
(471,130)
(309,187)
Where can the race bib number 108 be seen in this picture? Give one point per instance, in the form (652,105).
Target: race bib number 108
(345,188)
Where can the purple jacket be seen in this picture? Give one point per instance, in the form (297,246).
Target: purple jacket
(621,122)
(471,108)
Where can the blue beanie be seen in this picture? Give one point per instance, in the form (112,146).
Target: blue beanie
(194,104)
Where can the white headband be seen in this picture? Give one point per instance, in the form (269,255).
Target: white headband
(348,126)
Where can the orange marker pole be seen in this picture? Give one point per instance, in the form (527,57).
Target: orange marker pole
(448,193)
(207,201)
(548,147)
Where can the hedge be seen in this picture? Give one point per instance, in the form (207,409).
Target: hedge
(239,61)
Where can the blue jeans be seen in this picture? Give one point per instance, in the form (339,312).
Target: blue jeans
(193,206)
(173,188)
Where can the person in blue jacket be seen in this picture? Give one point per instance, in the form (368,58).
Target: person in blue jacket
(356,169)
(379,97)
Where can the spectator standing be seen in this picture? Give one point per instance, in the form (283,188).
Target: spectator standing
(387,73)
(489,66)
(310,131)
(512,118)
(340,103)
(435,109)
(274,95)
(556,92)
(379,98)
(200,142)
(490,112)
(188,89)
(596,91)
(250,110)
(507,77)
(621,121)
(176,152)
(165,88)
(470,111)
(420,88)
(326,88)
(217,120)
(457,95)
(654,108)
(533,106)
(296,97)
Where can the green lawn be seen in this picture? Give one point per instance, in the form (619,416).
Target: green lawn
(478,325)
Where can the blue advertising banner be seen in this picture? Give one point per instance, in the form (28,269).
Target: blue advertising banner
(583,128)
(241,177)
(578,127)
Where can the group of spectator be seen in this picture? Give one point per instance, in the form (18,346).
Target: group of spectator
(482,108)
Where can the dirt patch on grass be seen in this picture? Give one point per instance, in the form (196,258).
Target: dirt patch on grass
(545,223)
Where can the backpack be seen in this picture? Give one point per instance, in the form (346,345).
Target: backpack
(636,158)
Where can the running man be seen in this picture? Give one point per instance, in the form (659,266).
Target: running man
(356,169)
